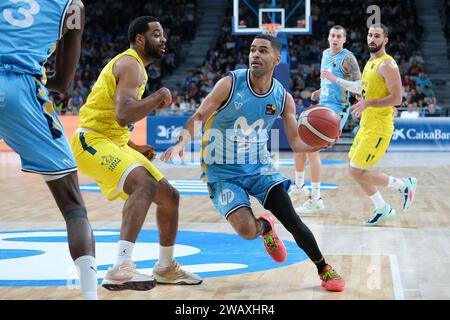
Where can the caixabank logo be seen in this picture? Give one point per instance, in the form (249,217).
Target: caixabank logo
(41,257)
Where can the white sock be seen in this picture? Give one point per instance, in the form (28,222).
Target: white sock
(165,256)
(378,200)
(300,179)
(396,183)
(315,190)
(125,253)
(87,273)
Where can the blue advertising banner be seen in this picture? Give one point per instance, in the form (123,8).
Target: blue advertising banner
(424,134)
(163,132)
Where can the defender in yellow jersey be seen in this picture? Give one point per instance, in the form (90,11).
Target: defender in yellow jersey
(381,91)
(104,152)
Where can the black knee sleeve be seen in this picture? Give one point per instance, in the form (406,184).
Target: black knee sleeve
(280,204)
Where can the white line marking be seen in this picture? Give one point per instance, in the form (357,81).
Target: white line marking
(396,279)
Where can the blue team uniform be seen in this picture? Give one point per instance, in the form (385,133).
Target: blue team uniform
(235,160)
(333,95)
(29,31)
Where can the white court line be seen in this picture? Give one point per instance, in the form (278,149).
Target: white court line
(396,280)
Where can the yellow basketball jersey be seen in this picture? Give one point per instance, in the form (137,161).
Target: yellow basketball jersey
(98,114)
(374,87)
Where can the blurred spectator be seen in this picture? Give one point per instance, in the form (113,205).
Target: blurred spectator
(410,112)
(432,111)
(75,102)
(422,80)
(59,104)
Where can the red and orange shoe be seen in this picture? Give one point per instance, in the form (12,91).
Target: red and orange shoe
(331,280)
(274,246)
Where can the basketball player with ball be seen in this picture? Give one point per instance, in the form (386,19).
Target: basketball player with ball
(335,61)
(238,115)
(381,91)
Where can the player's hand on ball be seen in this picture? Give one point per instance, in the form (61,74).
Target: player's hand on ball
(315,95)
(175,151)
(328,75)
(358,108)
(166,97)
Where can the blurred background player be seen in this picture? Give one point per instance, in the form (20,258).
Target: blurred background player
(30,31)
(239,113)
(104,152)
(381,91)
(335,61)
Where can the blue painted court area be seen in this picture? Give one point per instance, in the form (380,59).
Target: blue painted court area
(208,254)
(195,187)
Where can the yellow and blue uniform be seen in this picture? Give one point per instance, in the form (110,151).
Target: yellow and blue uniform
(100,145)
(332,95)
(377,123)
(29,32)
(235,160)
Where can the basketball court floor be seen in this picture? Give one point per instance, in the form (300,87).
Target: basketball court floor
(407,257)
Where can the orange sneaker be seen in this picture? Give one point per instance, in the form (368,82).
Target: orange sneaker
(274,246)
(331,280)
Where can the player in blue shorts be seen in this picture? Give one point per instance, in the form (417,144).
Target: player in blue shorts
(339,61)
(30,31)
(238,114)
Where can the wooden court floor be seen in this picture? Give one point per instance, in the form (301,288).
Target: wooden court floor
(407,257)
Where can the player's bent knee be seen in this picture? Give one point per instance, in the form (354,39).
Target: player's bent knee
(75,213)
(355,173)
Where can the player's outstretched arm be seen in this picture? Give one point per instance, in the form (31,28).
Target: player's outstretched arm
(291,128)
(215,99)
(129,76)
(69,48)
(351,67)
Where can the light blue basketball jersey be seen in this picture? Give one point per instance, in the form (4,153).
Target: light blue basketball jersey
(235,137)
(332,94)
(29,31)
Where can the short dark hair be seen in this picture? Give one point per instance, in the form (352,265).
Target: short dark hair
(274,41)
(139,26)
(381,26)
(339,27)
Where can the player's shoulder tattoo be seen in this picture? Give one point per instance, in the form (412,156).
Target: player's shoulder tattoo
(351,66)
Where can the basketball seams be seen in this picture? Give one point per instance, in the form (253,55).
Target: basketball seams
(316,132)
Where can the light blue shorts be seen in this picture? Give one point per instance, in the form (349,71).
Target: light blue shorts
(231,194)
(29,125)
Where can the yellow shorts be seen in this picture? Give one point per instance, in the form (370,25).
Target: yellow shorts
(107,163)
(368,148)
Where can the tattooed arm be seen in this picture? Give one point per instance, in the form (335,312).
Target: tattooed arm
(351,67)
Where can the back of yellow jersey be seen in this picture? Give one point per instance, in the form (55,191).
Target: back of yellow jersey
(98,114)
(374,87)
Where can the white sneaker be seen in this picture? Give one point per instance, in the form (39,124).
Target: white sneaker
(379,215)
(311,206)
(174,274)
(126,277)
(297,193)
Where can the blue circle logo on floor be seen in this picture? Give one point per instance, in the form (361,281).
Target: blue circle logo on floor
(41,257)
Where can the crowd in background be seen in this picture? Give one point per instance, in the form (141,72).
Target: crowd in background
(231,52)
(106,36)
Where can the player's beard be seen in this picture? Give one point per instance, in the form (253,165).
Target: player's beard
(375,49)
(152,51)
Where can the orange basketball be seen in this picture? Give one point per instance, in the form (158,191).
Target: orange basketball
(318,126)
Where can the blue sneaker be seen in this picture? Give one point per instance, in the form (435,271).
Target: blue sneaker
(408,192)
(379,215)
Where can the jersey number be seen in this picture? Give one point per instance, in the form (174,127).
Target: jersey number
(27,18)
